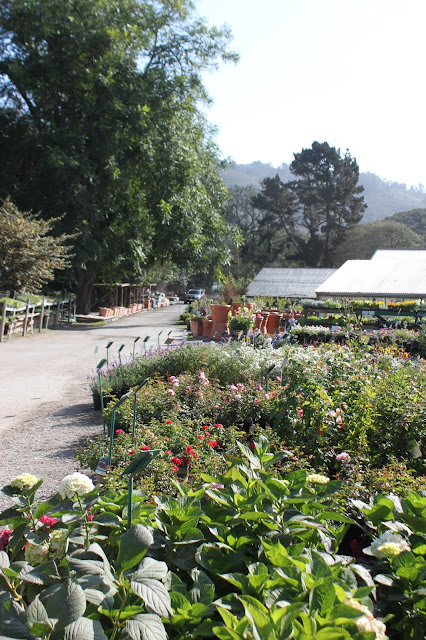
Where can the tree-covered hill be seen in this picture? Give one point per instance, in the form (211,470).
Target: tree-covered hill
(383,198)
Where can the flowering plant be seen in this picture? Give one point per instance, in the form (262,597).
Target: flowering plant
(243,320)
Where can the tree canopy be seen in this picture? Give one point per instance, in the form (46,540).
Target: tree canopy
(314,211)
(100,125)
(362,241)
(29,254)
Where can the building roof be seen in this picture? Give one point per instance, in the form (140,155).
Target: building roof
(399,254)
(378,277)
(288,283)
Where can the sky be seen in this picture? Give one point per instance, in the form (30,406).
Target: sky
(347,72)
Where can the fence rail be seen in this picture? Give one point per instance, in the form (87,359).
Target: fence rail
(30,316)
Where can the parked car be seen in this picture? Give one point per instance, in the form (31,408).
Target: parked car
(194,294)
(173,299)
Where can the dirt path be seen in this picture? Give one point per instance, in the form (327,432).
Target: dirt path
(46,408)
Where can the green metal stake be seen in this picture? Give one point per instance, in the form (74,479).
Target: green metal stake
(120,349)
(99,367)
(145,340)
(134,406)
(267,376)
(107,347)
(134,343)
(158,338)
(138,464)
(111,435)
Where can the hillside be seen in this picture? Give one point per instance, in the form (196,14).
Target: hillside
(382,197)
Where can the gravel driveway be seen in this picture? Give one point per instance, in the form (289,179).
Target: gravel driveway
(46,408)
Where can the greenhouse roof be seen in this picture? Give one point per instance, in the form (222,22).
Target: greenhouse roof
(378,277)
(288,283)
(399,254)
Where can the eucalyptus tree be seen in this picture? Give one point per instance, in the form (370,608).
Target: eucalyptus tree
(100,124)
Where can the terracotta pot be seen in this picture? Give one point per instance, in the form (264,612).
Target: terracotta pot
(103,312)
(235,306)
(196,328)
(207,326)
(273,323)
(219,313)
(251,306)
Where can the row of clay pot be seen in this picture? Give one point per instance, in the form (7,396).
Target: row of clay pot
(215,325)
(107,312)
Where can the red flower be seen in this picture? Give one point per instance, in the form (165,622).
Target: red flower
(175,468)
(251,445)
(212,443)
(131,452)
(119,431)
(219,426)
(177,461)
(206,426)
(169,452)
(47,520)
(168,422)
(200,437)
(4,538)
(194,454)
(145,448)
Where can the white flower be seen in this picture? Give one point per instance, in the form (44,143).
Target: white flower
(75,483)
(367,622)
(25,481)
(58,542)
(36,553)
(317,478)
(388,545)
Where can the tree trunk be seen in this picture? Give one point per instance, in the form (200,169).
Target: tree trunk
(84,291)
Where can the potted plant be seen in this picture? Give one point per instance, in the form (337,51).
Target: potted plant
(243,320)
(196,325)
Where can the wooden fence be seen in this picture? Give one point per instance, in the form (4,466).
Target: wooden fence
(32,317)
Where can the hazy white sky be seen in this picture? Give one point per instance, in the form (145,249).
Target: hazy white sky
(349,72)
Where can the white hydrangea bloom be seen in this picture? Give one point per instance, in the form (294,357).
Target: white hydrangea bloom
(317,478)
(389,545)
(25,481)
(75,483)
(36,553)
(367,622)
(58,542)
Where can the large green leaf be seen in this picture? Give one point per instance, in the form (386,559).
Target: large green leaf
(84,629)
(132,547)
(68,603)
(36,612)
(145,627)
(154,594)
(4,560)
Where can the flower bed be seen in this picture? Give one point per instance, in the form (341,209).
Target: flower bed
(250,553)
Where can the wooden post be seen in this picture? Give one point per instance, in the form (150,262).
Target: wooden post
(32,318)
(58,311)
(3,320)
(27,310)
(40,324)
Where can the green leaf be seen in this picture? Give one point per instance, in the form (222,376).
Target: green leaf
(36,612)
(48,505)
(151,568)
(84,629)
(154,594)
(259,617)
(333,633)
(11,627)
(68,603)
(132,546)
(223,633)
(146,627)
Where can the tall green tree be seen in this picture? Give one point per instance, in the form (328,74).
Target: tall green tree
(100,124)
(315,210)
